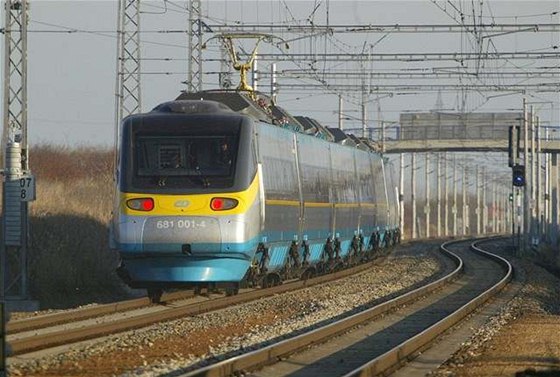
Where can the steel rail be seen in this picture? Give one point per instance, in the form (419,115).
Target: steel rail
(389,360)
(67,336)
(271,353)
(27,324)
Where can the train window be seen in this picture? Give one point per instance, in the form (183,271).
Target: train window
(170,156)
(184,161)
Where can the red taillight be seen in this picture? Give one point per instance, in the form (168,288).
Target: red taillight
(222,204)
(141,204)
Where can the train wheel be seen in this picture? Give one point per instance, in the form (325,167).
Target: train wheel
(307,274)
(154,294)
(213,288)
(267,282)
(271,280)
(232,290)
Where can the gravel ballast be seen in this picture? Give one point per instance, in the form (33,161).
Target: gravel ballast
(196,341)
(523,338)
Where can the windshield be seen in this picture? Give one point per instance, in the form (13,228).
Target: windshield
(184,161)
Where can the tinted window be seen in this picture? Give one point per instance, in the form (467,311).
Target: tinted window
(184,161)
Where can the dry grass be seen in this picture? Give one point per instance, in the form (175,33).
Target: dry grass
(70,261)
(63,164)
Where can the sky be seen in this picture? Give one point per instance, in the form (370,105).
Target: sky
(71,75)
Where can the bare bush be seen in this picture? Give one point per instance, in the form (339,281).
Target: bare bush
(70,261)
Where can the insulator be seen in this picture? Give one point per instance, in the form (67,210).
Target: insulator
(12,200)
(13,169)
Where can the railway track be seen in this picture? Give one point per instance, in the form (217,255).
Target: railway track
(43,321)
(388,334)
(48,331)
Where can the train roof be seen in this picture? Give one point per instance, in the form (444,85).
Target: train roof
(256,105)
(260,107)
(341,137)
(192,107)
(313,127)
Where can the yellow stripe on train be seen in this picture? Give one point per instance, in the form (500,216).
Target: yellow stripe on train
(195,205)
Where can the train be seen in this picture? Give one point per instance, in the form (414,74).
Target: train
(225,188)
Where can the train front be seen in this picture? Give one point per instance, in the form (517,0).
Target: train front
(188,204)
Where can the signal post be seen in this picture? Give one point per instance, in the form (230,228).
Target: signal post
(554,199)
(18,183)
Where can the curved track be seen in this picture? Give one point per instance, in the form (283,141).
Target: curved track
(379,346)
(52,330)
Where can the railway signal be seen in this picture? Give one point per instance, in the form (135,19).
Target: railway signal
(518,176)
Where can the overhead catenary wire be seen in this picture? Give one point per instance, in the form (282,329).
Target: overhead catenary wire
(336,41)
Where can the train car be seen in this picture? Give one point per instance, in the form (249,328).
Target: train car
(223,187)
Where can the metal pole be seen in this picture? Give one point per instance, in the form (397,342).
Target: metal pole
(502,219)
(501,228)
(13,275)
(511,208)
(515,222)
(446,196)
(526,188)
(194,44)
(454,209)
(364,112)
(401,194)
(478,209)
(508,221)
(554,197)
(506,209)
(547,199)
(130,95)
(539,215)
(438,181)
(484,205)
(225,79)
(255,73)
(340,110)
(273,84)
(503,192)
(413,191)
(495,208)
(382,136)
(427,206)
(516,138)
(465,205)
(534,226)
